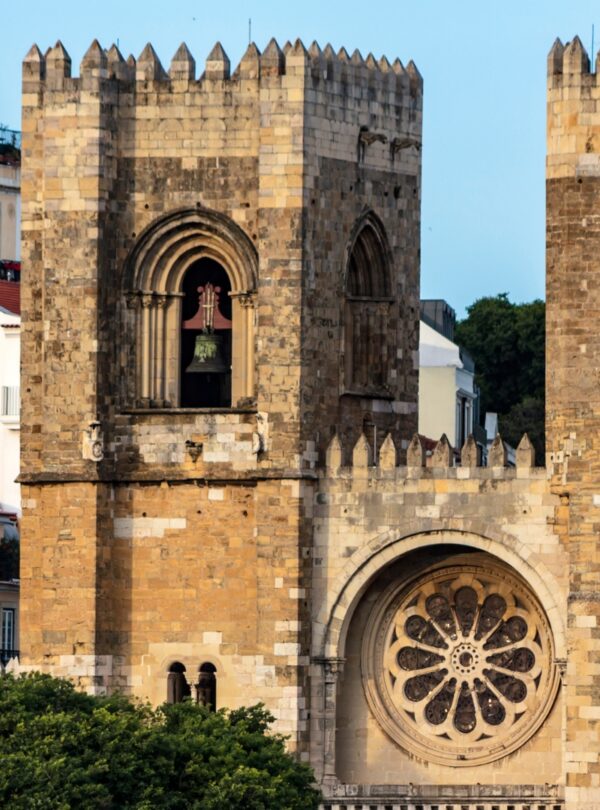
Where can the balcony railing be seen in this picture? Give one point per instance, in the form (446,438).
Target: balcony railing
(9,400)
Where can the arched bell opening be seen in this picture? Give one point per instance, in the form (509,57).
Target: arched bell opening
(177,686)
(206,688)
(174,256)
(206,336)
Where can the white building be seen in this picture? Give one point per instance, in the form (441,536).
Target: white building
(10,341)
(10,197)
(447,391)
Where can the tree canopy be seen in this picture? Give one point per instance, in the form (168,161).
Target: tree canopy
(507,343)
(64,749)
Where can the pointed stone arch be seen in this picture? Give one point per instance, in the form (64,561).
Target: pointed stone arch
(154,271)
(367,308)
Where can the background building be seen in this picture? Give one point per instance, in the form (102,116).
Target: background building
(10,197)
(10,352)
(10,272)
(448,396)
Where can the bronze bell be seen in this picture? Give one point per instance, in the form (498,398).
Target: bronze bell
(208,355)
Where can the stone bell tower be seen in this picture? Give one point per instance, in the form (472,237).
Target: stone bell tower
(573,386)
(167,531)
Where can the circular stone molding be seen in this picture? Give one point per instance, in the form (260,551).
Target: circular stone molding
(457,665)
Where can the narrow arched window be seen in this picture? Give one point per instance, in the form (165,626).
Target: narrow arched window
(367,360)
(206,688)
(206,332)
(177,686)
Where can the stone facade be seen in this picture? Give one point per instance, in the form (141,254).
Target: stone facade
(280,538)
(572,399)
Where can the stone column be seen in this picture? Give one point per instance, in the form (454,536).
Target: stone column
(160,302)
(133,305)
(145,349)
(242,346)
(331,670)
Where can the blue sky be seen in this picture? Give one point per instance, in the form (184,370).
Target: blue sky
(484,66)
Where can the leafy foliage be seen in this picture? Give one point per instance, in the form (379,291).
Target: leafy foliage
(63,749)
(507,343)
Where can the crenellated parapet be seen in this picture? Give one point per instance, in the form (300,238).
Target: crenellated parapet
(573,111)
(442,461)
(365,110)
(393,82)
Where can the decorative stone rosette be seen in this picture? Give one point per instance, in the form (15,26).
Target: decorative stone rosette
(458,665)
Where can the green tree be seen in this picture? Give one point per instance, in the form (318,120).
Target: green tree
(63,749)
(507,343)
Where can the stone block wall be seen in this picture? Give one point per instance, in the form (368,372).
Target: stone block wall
(278,147)
(151,533)
(377,525)
(572,391)
(378,166)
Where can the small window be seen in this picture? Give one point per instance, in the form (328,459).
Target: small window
(177,686)
(8,628)
(206,688)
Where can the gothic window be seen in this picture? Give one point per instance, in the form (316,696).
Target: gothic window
(206,688)
(367,311)
(459,664)
(177,686)
(188,338)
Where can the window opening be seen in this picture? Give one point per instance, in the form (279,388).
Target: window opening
(177,686)
(367,316)
(8,628)
(206,333)
(206,688)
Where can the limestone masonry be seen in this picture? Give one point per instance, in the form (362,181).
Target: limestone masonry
(221,478)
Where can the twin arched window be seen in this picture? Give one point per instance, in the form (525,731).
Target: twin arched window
(191,281)
(368,307)
(178,687)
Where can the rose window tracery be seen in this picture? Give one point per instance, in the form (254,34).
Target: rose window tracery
(459,664)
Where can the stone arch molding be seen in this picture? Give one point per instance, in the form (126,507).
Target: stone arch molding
(369,220)
(350,585)
(368,309)
(154,271)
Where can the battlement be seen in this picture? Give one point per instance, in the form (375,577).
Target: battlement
(53,69)
(439,463)
(573,112)
(570,65)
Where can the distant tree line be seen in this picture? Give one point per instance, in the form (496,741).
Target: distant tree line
(507,342)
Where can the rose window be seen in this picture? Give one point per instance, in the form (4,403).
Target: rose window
(459,664)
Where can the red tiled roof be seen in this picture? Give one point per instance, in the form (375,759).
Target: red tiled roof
(10,296)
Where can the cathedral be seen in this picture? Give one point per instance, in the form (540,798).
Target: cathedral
(224,496)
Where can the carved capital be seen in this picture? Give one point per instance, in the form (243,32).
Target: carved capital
(246,299)
(133,300)
(332,668)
